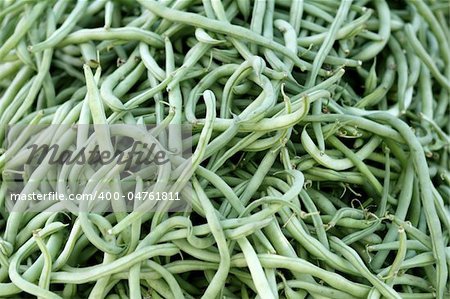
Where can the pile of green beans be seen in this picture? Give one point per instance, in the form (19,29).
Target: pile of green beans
(320,138)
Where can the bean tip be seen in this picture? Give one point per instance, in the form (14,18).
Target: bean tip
(36,233)
(85,66)
(93,63)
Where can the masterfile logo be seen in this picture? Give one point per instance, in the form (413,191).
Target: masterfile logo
(112,168)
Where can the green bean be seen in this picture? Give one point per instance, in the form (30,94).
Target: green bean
(220,27)
(426,59)
(299,265)
(95,7)
(106,89)
(328,161)
(275,123)
(116,266)
(259,196)
(168,277)
(329,59)
(411,244)
(373,48)
(419,260)
(342,33)
(256,23)
(289,36)
(315,10)
(13,7)
(24,55)
(256,180)
(191,58)
(233,199)
(179,5)
(402,71)
(44,280)
(109,12)
(358,163)
(21,29)
(399,257)
(243,69)
(149,62)
(356,236)
(309,204)
(322,202)
(438,31)
(311,244)
(429,208)
(317,289)
(24,251)
(440,207)
(126,34)
(244,7)
(321,174)
(17,85)
(361,122)
(65,28)
(345,213)
(20,140)
(341,14)
(262,286)
(14,219)
(295,15)
(380,92)
(68,248)
(9,68)
(163,174)
(318,61)
(217,232)
(354,258)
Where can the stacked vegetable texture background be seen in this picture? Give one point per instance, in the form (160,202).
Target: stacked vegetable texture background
(320,147)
